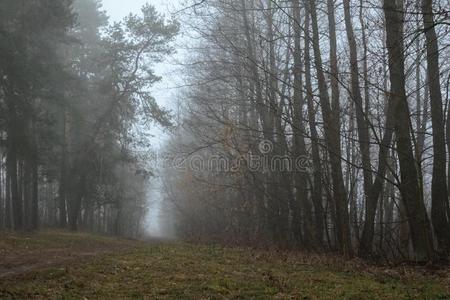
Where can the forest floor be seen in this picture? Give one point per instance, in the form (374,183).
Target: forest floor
(61,265)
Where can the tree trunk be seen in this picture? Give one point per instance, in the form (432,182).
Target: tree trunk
(273,213)
(26,191)
(439,192)
(298,129)
(365,65)
(2,199)
(8,212)
(317,197)
(16,201)
(77,191)
(333,142)
(34,223)
(409,187)
(281,190)
(63,175)
(362,123)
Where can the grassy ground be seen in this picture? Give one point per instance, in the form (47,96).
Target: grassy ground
(58,265)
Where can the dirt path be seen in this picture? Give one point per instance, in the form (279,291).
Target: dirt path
(16,265)
(19,255)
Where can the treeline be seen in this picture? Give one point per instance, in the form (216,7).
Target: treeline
(74,94)
(359,88)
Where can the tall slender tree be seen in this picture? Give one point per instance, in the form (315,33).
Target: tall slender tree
(439,193)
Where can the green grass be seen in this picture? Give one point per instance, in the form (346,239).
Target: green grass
(185,271)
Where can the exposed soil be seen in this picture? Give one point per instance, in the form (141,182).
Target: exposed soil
(19,254)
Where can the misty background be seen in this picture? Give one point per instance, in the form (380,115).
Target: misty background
(165,92)
(345,102)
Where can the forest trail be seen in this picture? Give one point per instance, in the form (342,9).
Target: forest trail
(24,253)
(59,265)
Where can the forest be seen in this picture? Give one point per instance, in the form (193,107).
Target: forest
(315,125)
(74,114)
(313,128)
(303,151)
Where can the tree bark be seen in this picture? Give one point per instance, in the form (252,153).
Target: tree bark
(16,201)
(409,187)
(8,213)
(63,175)
(439,193)
(34,221)
(362,122)
(317,191)
(2,198)
(298,130)
(333,141)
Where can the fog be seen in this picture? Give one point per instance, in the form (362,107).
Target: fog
(164,92)
(302,125)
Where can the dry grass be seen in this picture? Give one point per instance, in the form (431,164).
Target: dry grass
(130,270)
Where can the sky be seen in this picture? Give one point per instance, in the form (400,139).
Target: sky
(117,9)
(164,92)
